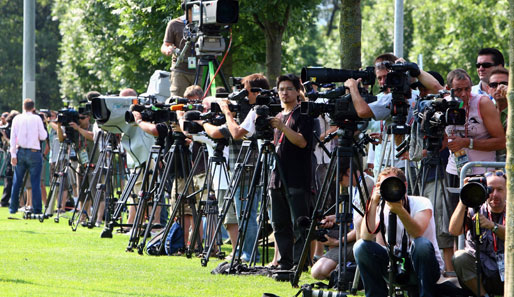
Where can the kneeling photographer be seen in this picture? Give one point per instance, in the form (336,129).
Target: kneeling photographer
(408,224)
(482,205)
(329,261)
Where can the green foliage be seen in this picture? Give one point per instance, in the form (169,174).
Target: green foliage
(11,55)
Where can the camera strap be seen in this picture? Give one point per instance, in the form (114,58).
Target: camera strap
(286,124)
(495,243)
(379,226)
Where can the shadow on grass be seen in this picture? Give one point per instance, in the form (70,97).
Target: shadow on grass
(16,281)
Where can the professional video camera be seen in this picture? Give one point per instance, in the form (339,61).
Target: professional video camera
(155,113)
(475,192)
(436,113)
(398,80)
(192,127)
(337,104)
(206,21)
(267,105)
(329,75)
(67,115)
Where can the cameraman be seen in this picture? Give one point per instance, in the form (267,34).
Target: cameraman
(326,264)
(181,76)
(492,233)
(293,144)
(415,227)
(6,135)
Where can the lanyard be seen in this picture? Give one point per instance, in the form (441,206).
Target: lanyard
(495,245)
(287,122)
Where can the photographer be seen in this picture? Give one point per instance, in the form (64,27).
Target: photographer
(26,133)
(6,135)
(415,234)
(293,142)
(492,233)
(232,131)
(181,75)
(326,264)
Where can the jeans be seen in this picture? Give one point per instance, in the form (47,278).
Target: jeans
(252,229)
(373,260)
(31,161)
(289,235)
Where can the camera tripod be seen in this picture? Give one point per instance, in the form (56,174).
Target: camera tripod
(343,203)
(207,65)
(86,188)
(104,178)
(60,178)
(180,155)
(178,152)
(260,178)
(235,181)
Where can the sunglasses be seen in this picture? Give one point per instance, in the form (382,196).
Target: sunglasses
(82,118)
(485,65)
(494,85)
(497,173)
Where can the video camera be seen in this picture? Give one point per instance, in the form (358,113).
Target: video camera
(267,105)
(398,80)
(435,113)
(156,113)
(338,104)
(67,115)
(475,192)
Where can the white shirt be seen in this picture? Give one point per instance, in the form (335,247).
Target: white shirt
(26,132)
(249,122)
(416,204)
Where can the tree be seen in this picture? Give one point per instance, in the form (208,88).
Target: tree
(350,34)
(509,239)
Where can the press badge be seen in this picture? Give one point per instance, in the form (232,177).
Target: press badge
(500,260)
(191,63)
(84,158)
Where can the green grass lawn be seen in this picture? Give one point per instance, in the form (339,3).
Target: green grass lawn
(48,259)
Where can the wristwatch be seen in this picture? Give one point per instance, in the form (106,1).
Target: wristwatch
(470,146)
(495,228)
(139,121)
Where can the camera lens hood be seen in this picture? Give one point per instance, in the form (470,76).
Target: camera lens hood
(473,194)
(392,189)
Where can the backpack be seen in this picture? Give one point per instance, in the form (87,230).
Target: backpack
(174,241)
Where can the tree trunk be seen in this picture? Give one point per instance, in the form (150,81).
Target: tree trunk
(350,25)
(509,233)
(273,52)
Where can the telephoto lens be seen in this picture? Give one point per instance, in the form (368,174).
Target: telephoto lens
(392,189)
(475,192)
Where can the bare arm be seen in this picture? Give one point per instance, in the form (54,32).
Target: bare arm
(361,107)
(494,127)
(167,48)
(212,131)
(456,226)
(293,136)
(414,225)
(429,82)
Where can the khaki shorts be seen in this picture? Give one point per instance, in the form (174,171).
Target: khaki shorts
(179,83)
(178,187)
(230,217)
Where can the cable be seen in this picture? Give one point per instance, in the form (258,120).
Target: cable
(221,64)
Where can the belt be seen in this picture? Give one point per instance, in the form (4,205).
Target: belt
(29,149)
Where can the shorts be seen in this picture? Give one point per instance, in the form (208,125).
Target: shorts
(333,253)
(178,188)
(443,210)
(179,83)
(230,217)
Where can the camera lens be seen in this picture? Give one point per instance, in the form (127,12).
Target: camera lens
(392,189)
(473,194)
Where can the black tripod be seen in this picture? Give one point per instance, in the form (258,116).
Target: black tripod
(174,155)
(260,178)
(207,65)
(235,181)
(343,203)
(150,176)
(216,175)
(181,160)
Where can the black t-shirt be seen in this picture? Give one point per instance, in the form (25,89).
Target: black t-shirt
(294,161)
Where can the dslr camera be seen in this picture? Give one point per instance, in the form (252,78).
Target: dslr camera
(475,192)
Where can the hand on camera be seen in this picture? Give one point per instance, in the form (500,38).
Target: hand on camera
(328,221)
(277,123)
(352,83)
(74,126)
(375,196)
(457,143)
(377,137)
(485,222)
(395,207)
(224,106)
(169,50)
(137,116)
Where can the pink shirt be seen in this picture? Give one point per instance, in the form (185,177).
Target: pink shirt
(26,132)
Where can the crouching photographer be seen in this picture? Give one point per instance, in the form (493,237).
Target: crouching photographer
(482,208)
(323,268)
(411,251)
